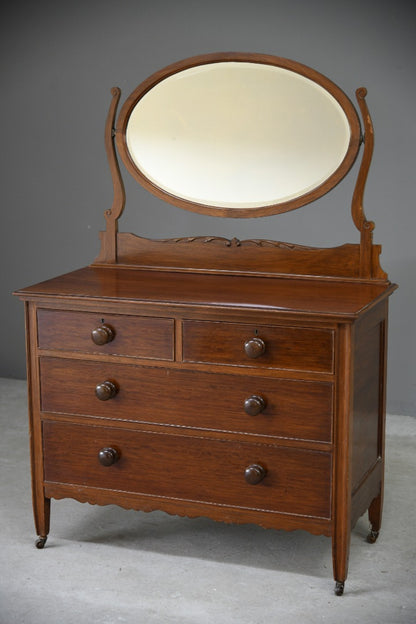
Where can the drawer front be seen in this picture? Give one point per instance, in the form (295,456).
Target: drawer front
(237,403)
(189,468)
(134,336)
(294,348)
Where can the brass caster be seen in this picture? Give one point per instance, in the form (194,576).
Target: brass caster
(41,541)
(372,536)
(339,588)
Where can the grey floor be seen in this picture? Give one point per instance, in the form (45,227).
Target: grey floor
(108,565)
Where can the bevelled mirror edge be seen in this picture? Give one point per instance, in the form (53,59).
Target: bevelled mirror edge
(298,69)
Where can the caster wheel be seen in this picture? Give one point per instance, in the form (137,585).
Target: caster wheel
(372,536)
(40,542)
(339,588)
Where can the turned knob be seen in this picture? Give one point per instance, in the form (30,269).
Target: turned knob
(102,335)
(255,347)
(254,405)
(254,474)
(106,390)
(108,456)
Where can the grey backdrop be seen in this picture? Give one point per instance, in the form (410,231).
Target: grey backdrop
(58,63)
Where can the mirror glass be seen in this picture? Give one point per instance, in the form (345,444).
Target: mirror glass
(237,135)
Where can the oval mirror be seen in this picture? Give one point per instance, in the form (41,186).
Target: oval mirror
(238,135)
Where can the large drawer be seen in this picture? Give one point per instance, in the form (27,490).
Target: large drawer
(189,468)
(291,408)
(134,336)
(285,347)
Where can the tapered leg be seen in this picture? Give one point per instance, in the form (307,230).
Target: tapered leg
(375,510)
(374,514)
(41,512)
(341,508)
(340,556)
(41,504)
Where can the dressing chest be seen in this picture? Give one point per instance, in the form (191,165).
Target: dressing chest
(242,380)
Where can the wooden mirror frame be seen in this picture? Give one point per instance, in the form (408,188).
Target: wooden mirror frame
(211,254)
(317,190)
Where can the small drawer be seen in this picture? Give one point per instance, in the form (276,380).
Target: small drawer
(115,334)
(217,472)
(237,403)
(260,346)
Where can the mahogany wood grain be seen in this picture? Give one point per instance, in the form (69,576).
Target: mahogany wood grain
(187,398)
(207,400)
(375,510)
(368,492)
(196,469)
(357,209)
(109,237)
(219,254)
(40,502)
(370,413)
(191,509)
(285,347)
(254,256)
(134,336)
(342,488)
(335,299)
(366,401)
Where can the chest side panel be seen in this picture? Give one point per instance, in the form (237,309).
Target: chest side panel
(369,353)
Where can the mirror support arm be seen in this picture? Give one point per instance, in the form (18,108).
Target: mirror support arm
(108,252)
(364,226)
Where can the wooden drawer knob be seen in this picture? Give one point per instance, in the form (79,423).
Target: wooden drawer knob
(254,405)
(255,347)
(254,474)
(106,390)
(108,456)
(102,335)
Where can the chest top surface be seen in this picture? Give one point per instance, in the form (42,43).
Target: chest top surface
(316,297)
